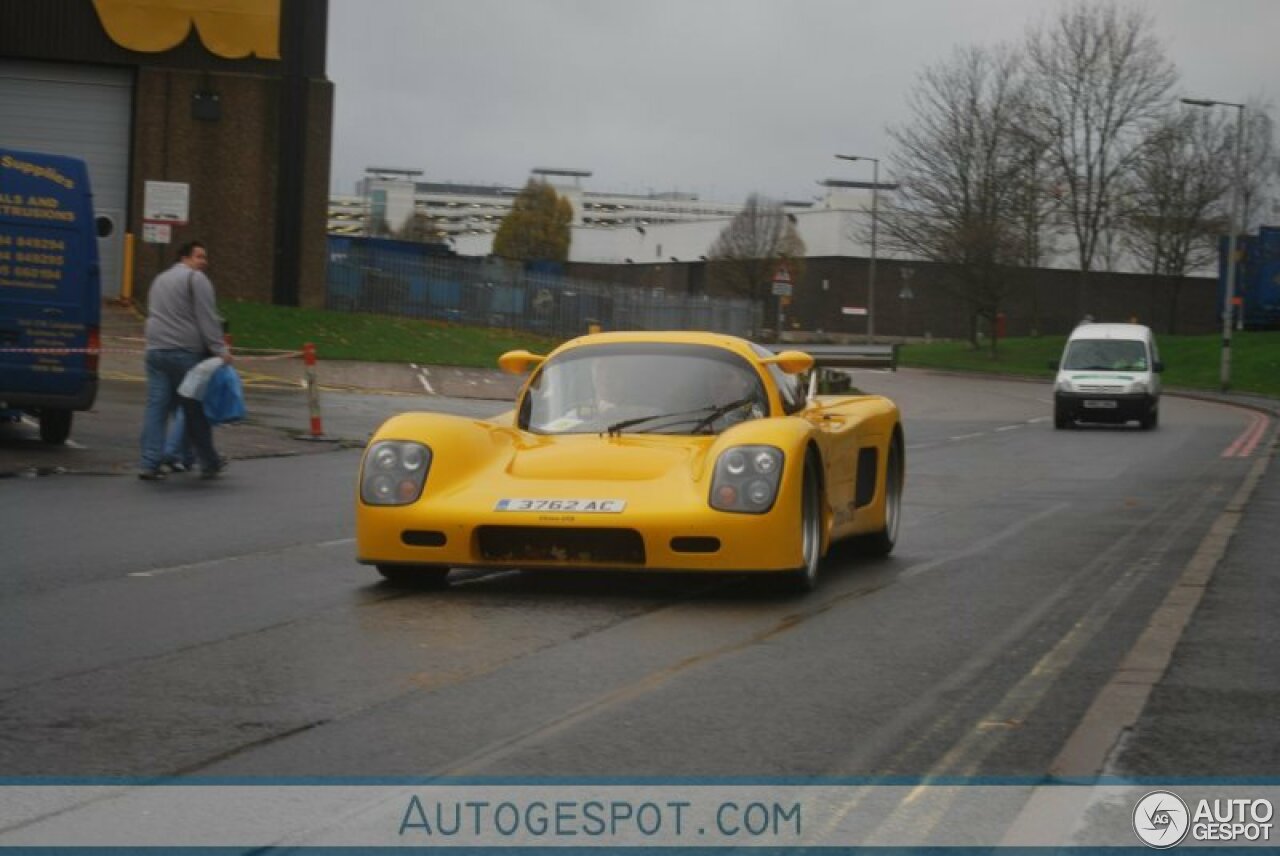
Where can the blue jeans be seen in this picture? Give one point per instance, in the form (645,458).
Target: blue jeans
(177,448)
(165,371)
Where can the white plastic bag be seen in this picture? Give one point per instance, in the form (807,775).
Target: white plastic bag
(197,380)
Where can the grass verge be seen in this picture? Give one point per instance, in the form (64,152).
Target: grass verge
(372,338)
(1190,361)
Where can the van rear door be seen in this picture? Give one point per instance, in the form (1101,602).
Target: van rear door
(50,293)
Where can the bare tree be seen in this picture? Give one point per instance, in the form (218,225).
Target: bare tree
(962,167)
(1099,80)
(747,253)
(1260,172)
(1176,195)
(1175,198)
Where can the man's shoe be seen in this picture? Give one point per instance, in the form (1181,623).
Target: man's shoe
(150,475)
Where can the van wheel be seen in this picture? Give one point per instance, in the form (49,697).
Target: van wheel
(1151,420)
(1061,419)
(55,426)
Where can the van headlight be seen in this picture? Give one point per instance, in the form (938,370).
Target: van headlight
(1063,385)
(393,472)
(1140,387)
(746,479)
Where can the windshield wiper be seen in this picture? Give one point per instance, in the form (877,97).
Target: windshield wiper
(721,410)
(712,413)
(709,414)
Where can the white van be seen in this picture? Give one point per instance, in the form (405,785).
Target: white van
(1108,373)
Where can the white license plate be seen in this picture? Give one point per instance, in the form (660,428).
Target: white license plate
(1100,404)
(576,506)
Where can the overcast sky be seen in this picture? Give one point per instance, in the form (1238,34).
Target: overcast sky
(716,97)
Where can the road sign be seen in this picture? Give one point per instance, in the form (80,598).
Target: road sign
(781,288)
(854,310)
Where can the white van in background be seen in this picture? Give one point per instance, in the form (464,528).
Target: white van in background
(1108,373)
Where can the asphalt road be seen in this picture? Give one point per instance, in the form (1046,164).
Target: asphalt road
(223,629)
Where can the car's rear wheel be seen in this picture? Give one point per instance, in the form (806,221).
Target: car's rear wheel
(881,543)
(805,578)
(55,426)
(414,576)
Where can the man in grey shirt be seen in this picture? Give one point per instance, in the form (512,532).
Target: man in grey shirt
(182,329)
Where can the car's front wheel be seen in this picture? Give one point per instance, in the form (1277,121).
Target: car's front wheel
(805,578)
(414,576)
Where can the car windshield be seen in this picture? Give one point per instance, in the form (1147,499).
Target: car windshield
(643,388)
(1109,355)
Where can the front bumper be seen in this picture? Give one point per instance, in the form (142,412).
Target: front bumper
(471,534)
(1105,407)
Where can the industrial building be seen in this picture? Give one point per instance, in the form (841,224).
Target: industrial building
(198,119)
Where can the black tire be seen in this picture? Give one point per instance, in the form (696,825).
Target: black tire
(1151,420)
(55,426)
(1061,419)
(882,543)
(415,576)
(805,577)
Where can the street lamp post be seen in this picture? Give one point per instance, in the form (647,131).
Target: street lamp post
(1228,300)
(871,264)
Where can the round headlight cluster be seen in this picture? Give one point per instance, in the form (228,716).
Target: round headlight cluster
(394,472)
(746,479)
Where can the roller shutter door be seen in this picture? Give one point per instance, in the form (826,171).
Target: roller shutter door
(82,111)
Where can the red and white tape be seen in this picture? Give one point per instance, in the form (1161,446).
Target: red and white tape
(277,355)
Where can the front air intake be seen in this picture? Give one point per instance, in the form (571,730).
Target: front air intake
(563,545)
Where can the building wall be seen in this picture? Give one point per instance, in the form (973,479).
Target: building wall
(226,163)
(231,163)
(1040,301)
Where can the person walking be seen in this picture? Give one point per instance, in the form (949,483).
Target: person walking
(182,329)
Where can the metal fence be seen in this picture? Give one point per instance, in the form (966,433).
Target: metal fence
(397,278)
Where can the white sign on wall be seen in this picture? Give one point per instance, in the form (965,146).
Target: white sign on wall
(156,233)
(166,202)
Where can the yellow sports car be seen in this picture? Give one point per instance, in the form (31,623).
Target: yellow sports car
(639,451)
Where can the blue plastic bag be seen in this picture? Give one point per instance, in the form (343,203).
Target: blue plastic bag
(224,397)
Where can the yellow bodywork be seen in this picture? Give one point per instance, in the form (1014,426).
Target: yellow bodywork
(664,480)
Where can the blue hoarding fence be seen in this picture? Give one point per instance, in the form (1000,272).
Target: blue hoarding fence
(389,277)
(1257,278)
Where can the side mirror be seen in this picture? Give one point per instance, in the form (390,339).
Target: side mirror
(1158,367)
(518,362)
(791,362)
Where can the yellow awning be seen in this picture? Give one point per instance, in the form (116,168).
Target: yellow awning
(232,29)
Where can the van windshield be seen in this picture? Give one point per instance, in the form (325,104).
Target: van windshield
(1106,355)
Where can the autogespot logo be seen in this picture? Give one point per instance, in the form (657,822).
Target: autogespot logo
(1160,819)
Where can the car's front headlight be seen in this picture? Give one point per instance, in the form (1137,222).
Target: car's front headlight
(1139,386)
(394,472)
(746,479)
(1064,385)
